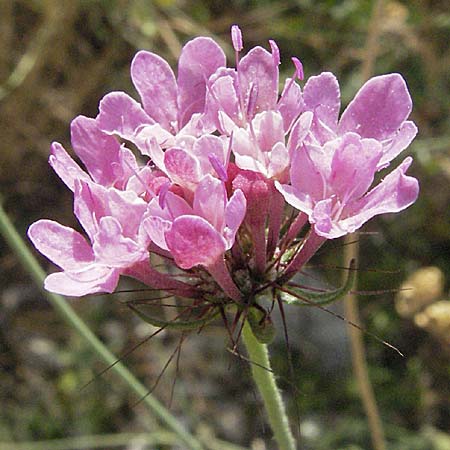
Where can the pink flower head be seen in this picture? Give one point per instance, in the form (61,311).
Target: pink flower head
(329,183)
(225,153)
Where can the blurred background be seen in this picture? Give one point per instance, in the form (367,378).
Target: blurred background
(57,59)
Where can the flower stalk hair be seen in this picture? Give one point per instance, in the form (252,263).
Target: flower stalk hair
(235,185)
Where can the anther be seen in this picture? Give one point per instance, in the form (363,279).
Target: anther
(236,38)
(218,167)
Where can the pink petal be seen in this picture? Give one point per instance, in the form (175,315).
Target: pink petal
(193,241)
(243,145)
(268,127)
(62,245)
(379,108)
(125,167)
(309,170)
(92,202)
(258,68)
(290,104)
(66,168)
(155,82)
(149,136)
(206,146)
(296,198)
(199,59)
(76,284)
(353,167)
(210,200)
(234,216)
(396,192)
(120,114)
(112,248)
(157,227)
(321,95)
(126,207)
(222,98)
(321,218)
(278,161)
(88,205)
(151,148)
(299,131)
(96,149)
(146,183)
(399,142)
(182,168)
(177,205)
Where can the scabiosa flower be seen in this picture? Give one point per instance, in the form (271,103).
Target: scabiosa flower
(221,154)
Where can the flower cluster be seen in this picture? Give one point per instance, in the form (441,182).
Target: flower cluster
(218,156)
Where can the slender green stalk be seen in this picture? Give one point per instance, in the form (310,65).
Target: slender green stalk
(265,381)
(70,316)
(122,440)
(95,441)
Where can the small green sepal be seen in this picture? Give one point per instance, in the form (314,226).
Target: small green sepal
(261,325)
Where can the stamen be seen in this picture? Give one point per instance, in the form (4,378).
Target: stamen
(218,167)
(298,68)
(236,38)
(252,97)
(298,73)
(275,52)
(139,178)
(162,194)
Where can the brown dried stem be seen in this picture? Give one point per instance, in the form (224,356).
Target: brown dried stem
(351,251)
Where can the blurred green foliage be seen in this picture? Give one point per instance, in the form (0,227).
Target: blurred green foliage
(57,58)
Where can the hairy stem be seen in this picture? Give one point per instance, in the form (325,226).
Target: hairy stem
(265,381)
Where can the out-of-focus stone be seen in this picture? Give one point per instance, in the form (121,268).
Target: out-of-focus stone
(436,320)
(423,287)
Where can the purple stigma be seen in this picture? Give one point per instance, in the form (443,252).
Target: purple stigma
(162,194)
(236,38)
(298,68)
(218,167)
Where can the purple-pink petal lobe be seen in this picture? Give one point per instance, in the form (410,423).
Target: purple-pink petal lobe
(194,241)
(92,280)
(66,168)
(64,246)
(155,82)
(379,108)
(120,114)
(199,59)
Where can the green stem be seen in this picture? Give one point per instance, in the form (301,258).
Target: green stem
(70,316)
(265,380)
(122,440)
